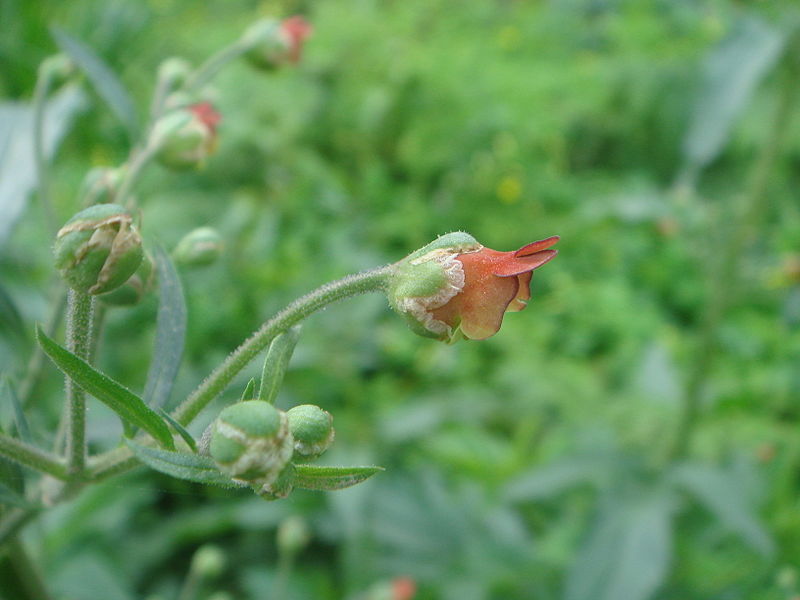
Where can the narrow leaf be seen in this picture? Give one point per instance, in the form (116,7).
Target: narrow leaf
(118,398)
(249,390)
(180,430)
(105,82)
(23,429)
(310,477)
(191,467)
(11,324)
(170,332)
(276,362)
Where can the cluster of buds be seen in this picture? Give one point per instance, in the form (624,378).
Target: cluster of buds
(455,287)
(254,443)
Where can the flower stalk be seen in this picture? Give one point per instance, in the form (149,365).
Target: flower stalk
(79,336)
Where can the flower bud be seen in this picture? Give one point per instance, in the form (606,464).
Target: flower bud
(312,429)
(58,68)
(293,535)
(185,137)
(454,287)
(174,71)
(251,442)
(135,288)
(199,247)
(208,561)
(275,43)
(101,184)
(98,249)
(281,487)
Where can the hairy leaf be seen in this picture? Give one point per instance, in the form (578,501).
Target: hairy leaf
(191,467)
(311,477)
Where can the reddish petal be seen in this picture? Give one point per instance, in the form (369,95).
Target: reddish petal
(512,265)
(523,293)
(536,246)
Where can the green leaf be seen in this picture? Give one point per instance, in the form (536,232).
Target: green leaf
(23,429)
(556,478)
(249,390)
(170,332)
(722,495)
(191,467)
(276,362)
(120,399)
(105,82)
(628,551)
(181,431)
(10,497)
(310,477)
(732,72)
(11,324)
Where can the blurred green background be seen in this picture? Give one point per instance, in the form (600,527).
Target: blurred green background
(632,435)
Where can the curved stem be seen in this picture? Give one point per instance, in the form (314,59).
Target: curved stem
(209,69)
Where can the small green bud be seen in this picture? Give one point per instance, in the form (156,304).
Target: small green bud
(101,184)
(199,247)
(135,288)
(293,535)
(185,137)
(251,442)
(98,249)
(273,43)
(312,429)
(208,561)
(58,68)
(174,72)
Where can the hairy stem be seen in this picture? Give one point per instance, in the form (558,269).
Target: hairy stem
(32,457)
(79,336)
(209,69)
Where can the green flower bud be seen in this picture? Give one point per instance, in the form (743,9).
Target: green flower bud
(273,43)
(208,561)
(251,442)
(135,288)
(174,72)
(101,184)
(293,535)
(185,137)
(98,249)
(312,429)
(281,487)
(199,247)
(58,68)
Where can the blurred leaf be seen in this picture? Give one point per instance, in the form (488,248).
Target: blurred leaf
(722,495)
(249,390)
(310,477)
(17,164)
(276,362)
(11,497)
(11,324)
(555,478)
(732,72)
(106,83)
(627,553)
(12,478)
(23,429)
(656,375)
(180,429)
(170,332)
(118,398)
(191,467)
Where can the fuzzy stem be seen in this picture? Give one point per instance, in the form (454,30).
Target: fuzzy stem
(79,336)
(32,457)
(213,65)
(726,282)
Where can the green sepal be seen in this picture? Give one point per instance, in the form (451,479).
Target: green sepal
(249,390)
(276,363)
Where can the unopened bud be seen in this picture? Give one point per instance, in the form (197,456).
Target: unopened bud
(293,535)
(185,137)
(98,249)
(199,247)
(251,442)
(135,288)
(312,429)
(208,561)
(275,43)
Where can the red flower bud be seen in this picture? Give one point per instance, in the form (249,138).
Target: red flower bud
(463,289)
(185,137)
(272,44)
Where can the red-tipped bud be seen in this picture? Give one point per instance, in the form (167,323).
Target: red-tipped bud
(272,44)
(184,138)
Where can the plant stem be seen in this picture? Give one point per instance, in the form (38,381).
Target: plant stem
(79,336)
(213,65)
(120,459)
(32,457)
(726,281)
(41,91)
